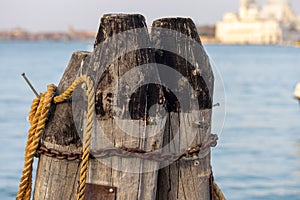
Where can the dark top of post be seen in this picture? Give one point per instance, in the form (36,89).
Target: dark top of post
(198,74)
(115,23)
(183,25)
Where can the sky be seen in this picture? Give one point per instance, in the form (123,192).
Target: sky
(58,15)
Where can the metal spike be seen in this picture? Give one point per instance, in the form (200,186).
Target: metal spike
(30,85)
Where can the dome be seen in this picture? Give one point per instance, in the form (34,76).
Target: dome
(279,10)
(230,17)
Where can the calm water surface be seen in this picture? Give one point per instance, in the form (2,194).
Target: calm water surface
(258,155)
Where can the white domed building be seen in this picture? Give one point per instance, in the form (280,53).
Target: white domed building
(275,23)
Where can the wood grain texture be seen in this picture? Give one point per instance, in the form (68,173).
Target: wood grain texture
(57,179)
(122,104)
(185,180)
(61,128)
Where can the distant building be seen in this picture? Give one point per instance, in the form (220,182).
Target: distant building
(275,23)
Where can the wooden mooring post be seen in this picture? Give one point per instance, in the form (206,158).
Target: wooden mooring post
(57,179)
(153,94)
(185,179)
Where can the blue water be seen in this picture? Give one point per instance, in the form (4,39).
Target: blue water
(258,155)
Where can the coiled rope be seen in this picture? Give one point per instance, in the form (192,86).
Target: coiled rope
(37,116)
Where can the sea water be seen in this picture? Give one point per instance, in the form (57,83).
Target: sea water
(258,153)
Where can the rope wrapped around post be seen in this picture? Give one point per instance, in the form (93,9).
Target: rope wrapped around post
(37,116)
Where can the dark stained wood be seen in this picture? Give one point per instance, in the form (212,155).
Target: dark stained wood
(99,192)
(187,42)
(123,112)
(187,180)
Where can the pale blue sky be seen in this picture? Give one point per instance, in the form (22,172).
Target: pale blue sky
(42,15)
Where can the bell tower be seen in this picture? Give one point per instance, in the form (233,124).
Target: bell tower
(243,10)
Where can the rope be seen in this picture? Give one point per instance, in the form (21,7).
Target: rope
(37,116)
(217,193)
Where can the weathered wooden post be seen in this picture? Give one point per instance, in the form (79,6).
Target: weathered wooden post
(185,179)
(57,178)
(133,138)
(122,101)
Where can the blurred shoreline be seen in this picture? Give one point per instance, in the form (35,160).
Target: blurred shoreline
(19,34)
(207,34)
